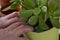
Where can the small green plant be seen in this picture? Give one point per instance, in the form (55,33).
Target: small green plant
(38,13)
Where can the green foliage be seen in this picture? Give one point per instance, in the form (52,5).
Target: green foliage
(57,11)
(52,4)
(42,23)
(33,20)
(43,3)
(29,4)
(38,11)
(12,0)
(54,12)
(55,22)
(13,6)
(26,13)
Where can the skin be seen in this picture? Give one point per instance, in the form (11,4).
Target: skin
(13,32)
(11,27)
(10,19)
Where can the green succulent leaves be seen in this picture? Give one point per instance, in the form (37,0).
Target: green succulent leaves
(13,6)
(52,4)
(43,3)
(38,11)
(33,20)
(29,4)
(55,22)
(57,11)
(28,13)
(53,9)
(42,24)
(12,0)
(25,13)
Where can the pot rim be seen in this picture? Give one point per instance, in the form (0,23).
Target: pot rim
(44,31)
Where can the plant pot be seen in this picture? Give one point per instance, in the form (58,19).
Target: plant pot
(51,34)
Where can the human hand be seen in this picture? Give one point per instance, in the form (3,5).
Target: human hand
(14,31)
(8,19)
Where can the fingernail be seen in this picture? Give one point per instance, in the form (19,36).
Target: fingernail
(16,12)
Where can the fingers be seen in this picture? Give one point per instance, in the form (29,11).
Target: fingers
(23,21)
(13,20)
(13,26)
(14,14)
(21,29)
(21,38)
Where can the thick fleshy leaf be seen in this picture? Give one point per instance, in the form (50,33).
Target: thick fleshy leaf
(42,2)
(15,4)
(12,6)
(29,4)
(6,9)
(44,8)
(36,11)
(33,20)
(25,13)
(56,13)
(58,5)
(47,15)
(12,0)
(55,22)
(42,24)
(52,5)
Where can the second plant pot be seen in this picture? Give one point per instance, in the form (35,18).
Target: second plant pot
(51,34)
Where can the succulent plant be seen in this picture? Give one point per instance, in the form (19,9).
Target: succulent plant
(38,13)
